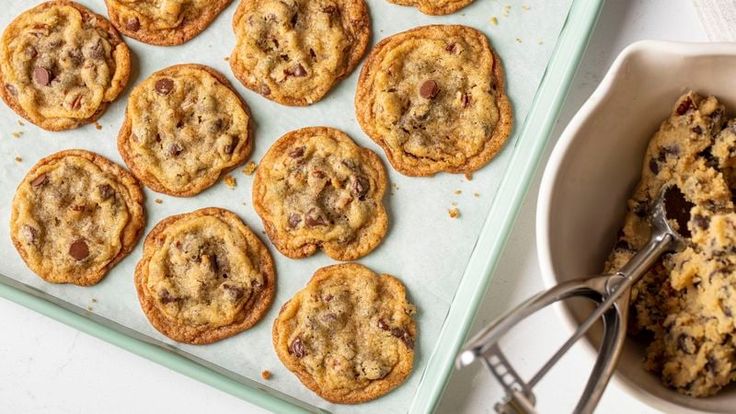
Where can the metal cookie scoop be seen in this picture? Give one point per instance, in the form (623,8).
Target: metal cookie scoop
(611,292)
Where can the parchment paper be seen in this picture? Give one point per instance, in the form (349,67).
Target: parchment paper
(424,247)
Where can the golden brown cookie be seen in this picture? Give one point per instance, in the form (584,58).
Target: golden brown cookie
(434,7)
(294,51)
(61,65)
(348,335)
(433,97)
(185,127)
(75,215)
(315,188)
(204,276)
(163,22)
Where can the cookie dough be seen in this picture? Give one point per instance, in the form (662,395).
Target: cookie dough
(185,127)
(434,7)
(204,276)
(349,335)
(684,307)
(163,22)
(433,97)
(74,216)
(61,65)
(315,188)
(294,51)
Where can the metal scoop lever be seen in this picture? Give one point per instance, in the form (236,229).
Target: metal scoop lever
(611,292)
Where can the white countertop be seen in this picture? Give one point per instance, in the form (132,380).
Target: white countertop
(48,367)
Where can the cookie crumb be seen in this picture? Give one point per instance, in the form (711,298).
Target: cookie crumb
(518,40)
(454,212)
(540,42)
(158,201)
(506,10)
(396,187)
(18,159)
(98,126)
(94,300)
(266,374)
(525,7)
(476,195)
(230,181)
(494,21)
(17,134)
(469,176)
(250,168)
(227,58)
(89,308)
(21,123)
(458,192)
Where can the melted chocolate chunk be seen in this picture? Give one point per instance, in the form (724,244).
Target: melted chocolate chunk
(429,89)
(79,249)
(297,348)
(164,86)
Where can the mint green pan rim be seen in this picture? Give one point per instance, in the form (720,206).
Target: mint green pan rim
(527,151)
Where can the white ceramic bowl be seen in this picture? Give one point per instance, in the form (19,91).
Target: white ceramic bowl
(595,166)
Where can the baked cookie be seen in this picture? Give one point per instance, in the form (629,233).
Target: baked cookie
(163,22)
(204,276)
(315,188)
(75,215)
(294,51)
(348,335)
(433,98)
(61,65)
(434,7)
(185,127)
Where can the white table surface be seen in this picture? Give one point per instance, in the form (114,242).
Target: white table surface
(48,367)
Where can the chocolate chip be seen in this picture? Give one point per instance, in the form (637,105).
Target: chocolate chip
(11,89)
(429,89)
(330,9)
(297,348)
(654,166)
(318,174)
(360,187)
(174,149)
(229,148)
(622,244)
(30,52)
(701,221)
(133,24)
(451,48)
(79,249)
(265,90)
(294,19)
(42,76)
(294,220)
(312,54)
(314,217)
(327,297)
(164,86)
(296,71)
(684,106)
(216,125)
(40,180)
(77,102)
(98,50)
(297,152)
(75,56)
(235,292)
(383,325)
(404,336)
(678,208)
(29,233)
(465,99)
(710,160)
(697,129)
(78,207)
(711,365)
(166,297)
(105,191)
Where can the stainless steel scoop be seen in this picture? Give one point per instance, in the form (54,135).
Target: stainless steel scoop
(610,292)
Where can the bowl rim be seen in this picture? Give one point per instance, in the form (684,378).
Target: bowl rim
(559,154)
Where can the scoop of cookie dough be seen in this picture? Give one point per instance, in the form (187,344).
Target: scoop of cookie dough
(433,97)
(61,65)
(204,276)
(315,188)
(294,51)
(74,216)
(163,22)
(434,7)
(686,303)
(184,128)
(349,335)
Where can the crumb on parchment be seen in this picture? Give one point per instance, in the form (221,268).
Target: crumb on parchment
(458,192)
(494,21)
(476,195)
(469,176)
(266,374)
(158,201)
(21,123)
(454,212)
(17,134)
(250,168)
(18,159)
(98,125)
(230,181)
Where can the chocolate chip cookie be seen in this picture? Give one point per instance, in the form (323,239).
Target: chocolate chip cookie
(434,7)
(294,51)
(348,335)
(75,215)
(684,308)
(315,188)
(204,276)
(185,127)
(163,22)
(61,65)
(433,97)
